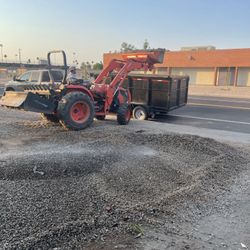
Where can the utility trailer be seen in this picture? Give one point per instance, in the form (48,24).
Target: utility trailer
(153,95)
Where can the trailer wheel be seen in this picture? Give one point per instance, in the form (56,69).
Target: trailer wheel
(50,117)
(100,117)
(123,114)
(140,113)
(76,111)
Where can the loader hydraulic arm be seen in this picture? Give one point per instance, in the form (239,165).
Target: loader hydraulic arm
(138,60)
(127,67)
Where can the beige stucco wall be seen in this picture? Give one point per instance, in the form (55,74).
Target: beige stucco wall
(161,71)
(198,76)
(225,91)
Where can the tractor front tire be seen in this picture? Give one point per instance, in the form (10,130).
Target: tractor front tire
(50,117)
(76,111)
(123,114)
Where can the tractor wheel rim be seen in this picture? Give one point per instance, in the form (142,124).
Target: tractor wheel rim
(79,112)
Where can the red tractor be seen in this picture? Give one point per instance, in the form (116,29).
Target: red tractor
(75,105)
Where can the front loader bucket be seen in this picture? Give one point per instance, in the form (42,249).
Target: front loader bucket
(28,101)
(39,103)
(13,99)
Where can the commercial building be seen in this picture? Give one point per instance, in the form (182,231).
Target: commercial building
(205,65)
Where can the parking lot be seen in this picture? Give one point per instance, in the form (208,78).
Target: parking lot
(138,140)
(105,170)
(140,186)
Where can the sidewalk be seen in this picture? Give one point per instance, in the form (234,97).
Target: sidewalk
(223,91)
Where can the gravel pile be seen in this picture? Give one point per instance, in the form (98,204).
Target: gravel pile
(62,189)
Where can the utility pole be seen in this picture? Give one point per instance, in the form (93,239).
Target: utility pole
(74,57)
(19,52)
(1,45)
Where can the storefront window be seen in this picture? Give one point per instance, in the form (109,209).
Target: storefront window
(226,76)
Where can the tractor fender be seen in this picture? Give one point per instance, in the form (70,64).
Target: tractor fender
(72,88)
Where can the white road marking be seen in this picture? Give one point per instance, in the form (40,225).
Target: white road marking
(211,119)
(217,106)
(217,100)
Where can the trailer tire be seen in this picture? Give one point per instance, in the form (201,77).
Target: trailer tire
(140,113)
(100,117)
(76,111)
(50,117)
(123,114)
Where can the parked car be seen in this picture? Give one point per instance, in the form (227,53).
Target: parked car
(34,77)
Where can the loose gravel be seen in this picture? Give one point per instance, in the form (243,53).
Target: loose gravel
(64,189)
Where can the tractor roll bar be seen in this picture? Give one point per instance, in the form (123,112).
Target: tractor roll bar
(50,66)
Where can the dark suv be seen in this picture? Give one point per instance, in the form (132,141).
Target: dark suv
(34,77)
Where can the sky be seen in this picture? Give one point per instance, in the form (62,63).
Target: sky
(86,29)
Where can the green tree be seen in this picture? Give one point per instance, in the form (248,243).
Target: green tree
(84,69)
(127,47)
(98,66)
(146,44)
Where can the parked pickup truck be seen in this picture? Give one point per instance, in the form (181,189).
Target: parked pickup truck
(34,77)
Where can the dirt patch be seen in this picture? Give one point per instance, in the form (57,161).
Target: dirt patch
(63,189)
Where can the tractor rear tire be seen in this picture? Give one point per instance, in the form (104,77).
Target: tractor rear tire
(123,114)
(50,117)
(76,111)
(100,117)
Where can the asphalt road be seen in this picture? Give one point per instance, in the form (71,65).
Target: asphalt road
(219,113)
(229,114)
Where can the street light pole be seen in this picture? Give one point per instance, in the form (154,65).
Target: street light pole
(20,60)
(1,45)
(74,57)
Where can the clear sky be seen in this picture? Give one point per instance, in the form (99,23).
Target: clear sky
(89,28)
